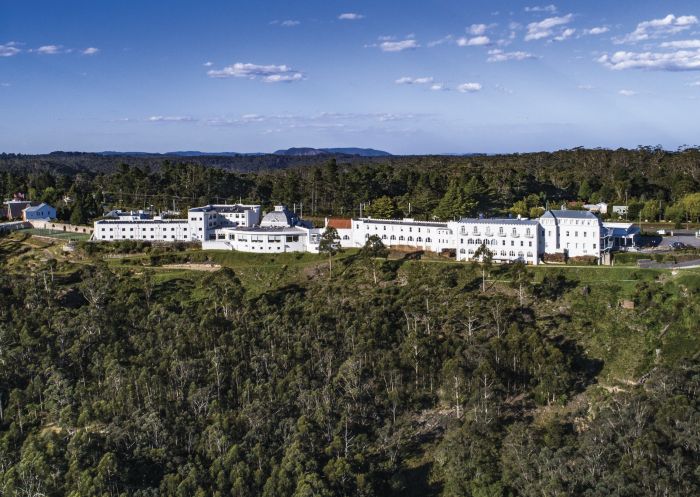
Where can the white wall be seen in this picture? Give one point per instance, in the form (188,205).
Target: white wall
(509,241)
(405,232)
(148,230)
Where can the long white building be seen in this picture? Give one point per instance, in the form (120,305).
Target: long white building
(279,231)
(570,233)
(240,227)
(201,224)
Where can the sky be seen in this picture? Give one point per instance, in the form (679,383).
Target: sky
(409,77)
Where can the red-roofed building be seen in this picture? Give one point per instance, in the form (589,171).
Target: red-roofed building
(344,228)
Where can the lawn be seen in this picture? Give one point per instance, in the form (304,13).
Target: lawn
(60,235)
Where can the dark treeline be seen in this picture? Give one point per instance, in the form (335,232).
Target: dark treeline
(655,183)
(115,384)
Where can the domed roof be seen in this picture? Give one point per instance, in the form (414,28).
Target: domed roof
(279,218)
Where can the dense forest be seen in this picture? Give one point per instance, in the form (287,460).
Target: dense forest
(376,375)
(122,379)
(656,184)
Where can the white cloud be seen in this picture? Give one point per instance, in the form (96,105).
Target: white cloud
(694,84)
(49,49)
(477,29)
(9,49)
(350,16)
(585,87)
(680,60)
(473,42)
(598,30)
(542,8)
(567,33)
(469,87)
(268,73)
(683,44)
(501,56)
(407,80)
(659,28)
(398,46)
(91,51)
(208,64)
(438,87)
(441,41)
(627,93)
(170,119)
(546,27)
(289,23)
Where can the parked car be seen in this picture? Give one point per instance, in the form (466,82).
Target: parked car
(679,246)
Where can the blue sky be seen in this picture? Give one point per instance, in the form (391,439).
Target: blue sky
(444,76)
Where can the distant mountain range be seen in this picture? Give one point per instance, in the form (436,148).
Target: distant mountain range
(292,152)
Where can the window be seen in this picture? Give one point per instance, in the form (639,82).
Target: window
(428,240)
(231,236)
(393,237)
(410,238)
(419,239)
(401,238)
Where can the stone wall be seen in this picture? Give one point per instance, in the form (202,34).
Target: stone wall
(68,228)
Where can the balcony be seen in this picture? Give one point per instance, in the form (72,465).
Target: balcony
(529,235)
(501,233)
(515,235)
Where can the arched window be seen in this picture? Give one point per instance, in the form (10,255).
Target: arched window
(529,254)
(520,255)
(512,253)
(346,237)
(383,237)
(401,238)
(503,253)
(428,240)
(461,251)
(393,237)
(410,239)
(419,239)
(367,235)
(471,251)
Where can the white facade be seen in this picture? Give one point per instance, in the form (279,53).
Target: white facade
(279,231)
(574,233)
(155,230)
(509,240)
(204,221)
(200,225)
(600,207)
(423,235)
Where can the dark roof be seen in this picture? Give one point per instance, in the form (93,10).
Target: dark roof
(406,222)
(524,222)
(15,207)
(566,214)
(141,221)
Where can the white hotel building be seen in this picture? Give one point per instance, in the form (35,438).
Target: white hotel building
(239,227)
(199,226)
(574,233)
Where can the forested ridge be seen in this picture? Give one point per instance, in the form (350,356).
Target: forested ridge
(123,379)
(651,181)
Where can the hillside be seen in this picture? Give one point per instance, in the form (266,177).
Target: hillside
(126,371)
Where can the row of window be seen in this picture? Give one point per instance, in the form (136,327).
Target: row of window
(258,238)
(501,231)
(410,228)
(401,238)
(143,237)
(502,253)
(479,241)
